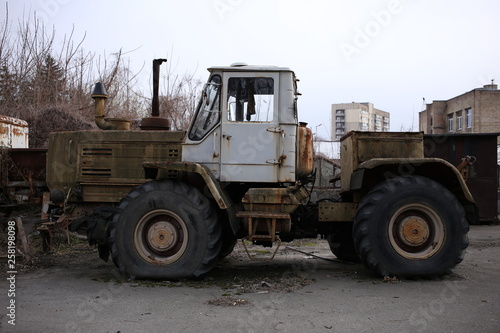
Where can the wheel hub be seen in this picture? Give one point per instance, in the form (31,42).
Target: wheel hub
(414,231)
(161,236)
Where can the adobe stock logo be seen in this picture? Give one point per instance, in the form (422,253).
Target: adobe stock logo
(364,36)
(224,6)
(50,9)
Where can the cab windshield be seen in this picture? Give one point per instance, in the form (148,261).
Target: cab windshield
(208,111)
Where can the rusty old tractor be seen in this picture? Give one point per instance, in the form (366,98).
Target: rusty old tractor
(169,204)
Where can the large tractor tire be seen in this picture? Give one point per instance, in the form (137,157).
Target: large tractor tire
(410,227)
(341,244)
(165,230)
(228,246)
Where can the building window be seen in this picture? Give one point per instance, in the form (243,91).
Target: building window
(468,117)
(340,112)
(363,126)
(339,132)
(377,123)
(459,120)
(450,123)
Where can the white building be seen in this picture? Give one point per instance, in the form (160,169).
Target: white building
(348,117)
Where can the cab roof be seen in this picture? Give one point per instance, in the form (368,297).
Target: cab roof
(239,66)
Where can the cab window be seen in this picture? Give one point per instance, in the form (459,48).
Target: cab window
(250,99)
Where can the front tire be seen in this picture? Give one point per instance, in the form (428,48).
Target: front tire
(165,230)
(410,226)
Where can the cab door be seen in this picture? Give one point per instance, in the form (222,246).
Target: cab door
(250,132)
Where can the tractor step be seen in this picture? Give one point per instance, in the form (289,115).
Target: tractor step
(267,221)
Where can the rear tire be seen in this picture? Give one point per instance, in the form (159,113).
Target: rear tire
(410,226)
(228,245)
(165,230)
(341,244)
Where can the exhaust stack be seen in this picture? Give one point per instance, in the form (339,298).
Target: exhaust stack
(155,122)
(99,95)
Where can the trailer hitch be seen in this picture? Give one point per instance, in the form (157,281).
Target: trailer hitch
(463,167)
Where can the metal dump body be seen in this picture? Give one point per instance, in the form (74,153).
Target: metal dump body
(358,147)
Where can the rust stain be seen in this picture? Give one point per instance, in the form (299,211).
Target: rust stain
(222,204)
(13,121)
(14,132)
(18,132)
(305,164)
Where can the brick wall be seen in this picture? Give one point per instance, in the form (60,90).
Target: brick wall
(485,105)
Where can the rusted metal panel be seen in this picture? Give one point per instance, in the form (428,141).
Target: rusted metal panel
(105,192)
(90,163)
(13,132)
(359,147)
(114,161)
(278,200)
(482,175)
(336,211)
(258,223)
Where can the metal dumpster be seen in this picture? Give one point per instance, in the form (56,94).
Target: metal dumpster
(482,178)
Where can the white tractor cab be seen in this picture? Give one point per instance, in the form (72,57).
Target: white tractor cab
(246,125)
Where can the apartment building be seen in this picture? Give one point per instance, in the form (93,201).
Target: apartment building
(353,116)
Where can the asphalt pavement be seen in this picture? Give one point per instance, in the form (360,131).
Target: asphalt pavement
(296,292)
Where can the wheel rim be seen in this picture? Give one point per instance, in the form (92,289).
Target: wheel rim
(160,237)
(416,231)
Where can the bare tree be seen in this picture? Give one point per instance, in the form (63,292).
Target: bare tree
(50,89)
(126,99)
(179,100)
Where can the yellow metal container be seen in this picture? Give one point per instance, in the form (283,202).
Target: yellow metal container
(359,147)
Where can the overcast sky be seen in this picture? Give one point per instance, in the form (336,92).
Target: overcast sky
(392,53)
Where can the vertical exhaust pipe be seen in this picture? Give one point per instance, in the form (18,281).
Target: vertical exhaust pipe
(100,95)
(155,122)
(155,112)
